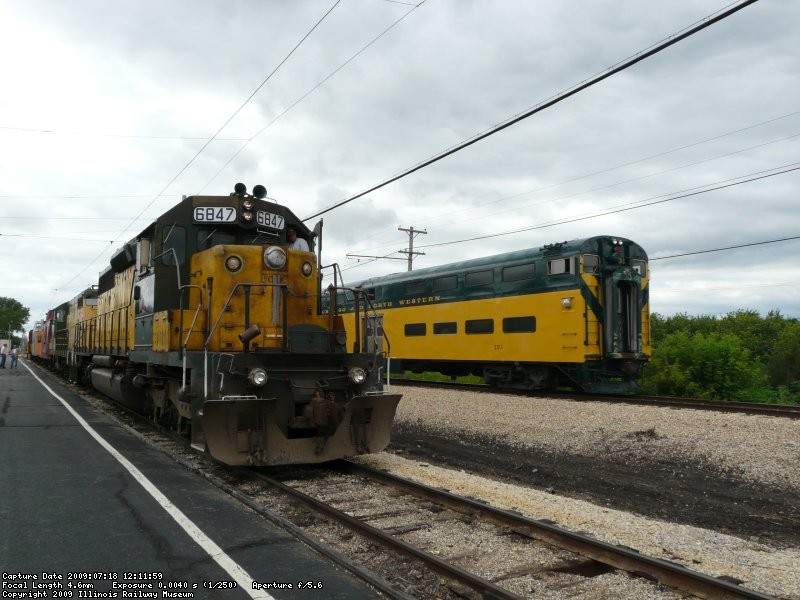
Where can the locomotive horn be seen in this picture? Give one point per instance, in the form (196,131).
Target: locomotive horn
(240,189)
(259,191)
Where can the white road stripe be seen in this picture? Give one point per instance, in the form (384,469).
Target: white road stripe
(236,572)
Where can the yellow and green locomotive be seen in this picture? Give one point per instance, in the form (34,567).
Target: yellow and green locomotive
(211,322)
(572,314)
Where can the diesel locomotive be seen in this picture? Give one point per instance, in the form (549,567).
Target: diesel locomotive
(572,314)
(210,322)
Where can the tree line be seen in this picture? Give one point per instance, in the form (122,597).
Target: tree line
(740,356)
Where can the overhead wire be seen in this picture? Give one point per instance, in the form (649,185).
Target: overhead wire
(614,69)
(236,112)
(309,92)
(663,198)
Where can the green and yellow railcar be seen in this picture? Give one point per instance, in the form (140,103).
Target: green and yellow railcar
(567,314)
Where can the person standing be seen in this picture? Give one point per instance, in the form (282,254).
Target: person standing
(14,357)
(3,353)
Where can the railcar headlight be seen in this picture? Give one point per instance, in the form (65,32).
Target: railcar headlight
(275,257)
(233,263)
(257,376)
(566,302)
(357,375)
(247,204)
(307,269)
(247,216)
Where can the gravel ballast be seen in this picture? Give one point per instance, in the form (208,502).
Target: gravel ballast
(761,453)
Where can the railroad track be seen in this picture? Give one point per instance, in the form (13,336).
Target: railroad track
(787,411)
(557,554)
(578,555)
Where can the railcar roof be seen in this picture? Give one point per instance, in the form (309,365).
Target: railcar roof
(571,247)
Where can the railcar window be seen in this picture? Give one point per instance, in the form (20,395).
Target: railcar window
(519,325)
(415,287)
(448,328)
(174,239)
(479,326)
(414,329)
(591,263)
(450,282)
(479,278)
(640,266)
(519,272)
(559,266)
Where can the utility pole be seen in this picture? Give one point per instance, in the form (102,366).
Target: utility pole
(411,234)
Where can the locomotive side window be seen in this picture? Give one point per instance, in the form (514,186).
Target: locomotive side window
(415,287)
(448,328)
(559,266)
(519,272)
(450,282)
(591,263)
(414,329)
(479,326)
(479,278)
(519,325)
(174,239)
(640,266)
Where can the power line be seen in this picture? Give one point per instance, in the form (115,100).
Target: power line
(117,135)
(236,112)
(626,207)
(796,237)
(309,92)
(636,58)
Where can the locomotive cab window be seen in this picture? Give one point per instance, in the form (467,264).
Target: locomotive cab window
(209,238)
(591,263)
(560,266)
(640,266)
(174,239)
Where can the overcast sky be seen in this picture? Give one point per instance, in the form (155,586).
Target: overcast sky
(104,103)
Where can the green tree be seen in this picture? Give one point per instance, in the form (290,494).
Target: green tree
(712,366)
(12,315)
(783,366)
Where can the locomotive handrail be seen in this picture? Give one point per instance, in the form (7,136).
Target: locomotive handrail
(284,296)
(357,293)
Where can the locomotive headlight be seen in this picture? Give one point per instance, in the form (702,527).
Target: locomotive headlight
(247,216)
(247,204)
(275,257)
(566,302)
(257,377)
(357,375)
(307,269)
(233,263)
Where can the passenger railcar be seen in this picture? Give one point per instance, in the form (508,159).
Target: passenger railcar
(566,314)
(210,322)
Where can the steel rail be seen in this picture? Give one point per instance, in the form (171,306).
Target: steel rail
(665,572)
(485,587)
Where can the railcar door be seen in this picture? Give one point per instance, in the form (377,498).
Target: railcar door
(623,313)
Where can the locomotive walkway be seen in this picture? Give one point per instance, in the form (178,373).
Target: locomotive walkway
(87,507)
